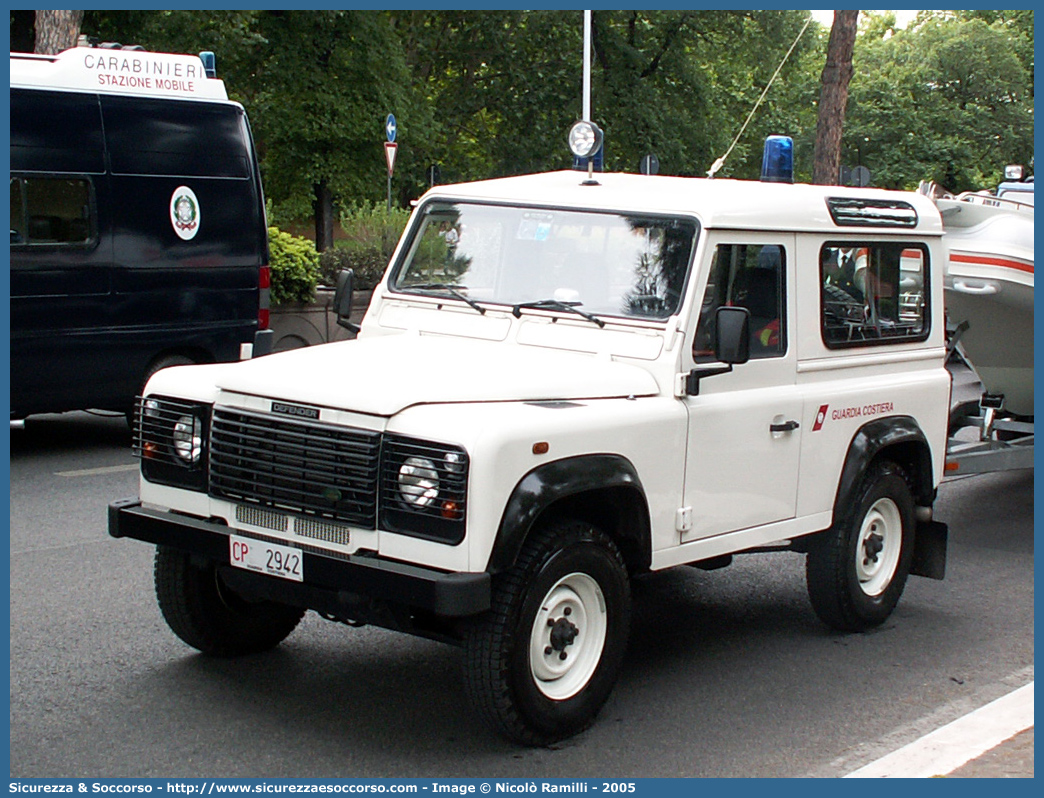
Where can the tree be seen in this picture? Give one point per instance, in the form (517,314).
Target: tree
(505,86)
(949,99)
(325,84)
(490,93)
(837,73)
(498,87)
(57,30)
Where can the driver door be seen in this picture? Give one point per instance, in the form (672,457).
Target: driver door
(744,437)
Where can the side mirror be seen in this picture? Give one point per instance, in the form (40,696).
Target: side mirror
(732,338)
(731,346)
(342,301)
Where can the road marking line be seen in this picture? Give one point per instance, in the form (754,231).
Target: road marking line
(90,472)
(949,747)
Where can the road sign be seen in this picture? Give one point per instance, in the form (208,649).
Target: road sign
(389,153)
(650,165)
(390,127)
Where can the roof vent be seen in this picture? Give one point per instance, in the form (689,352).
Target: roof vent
(851,212)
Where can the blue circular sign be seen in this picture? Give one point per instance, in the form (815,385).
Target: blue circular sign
(390,127)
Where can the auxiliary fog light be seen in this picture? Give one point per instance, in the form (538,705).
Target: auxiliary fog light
(584,139)
(188,439)
(418,481)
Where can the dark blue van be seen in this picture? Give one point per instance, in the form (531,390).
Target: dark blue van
(138,235)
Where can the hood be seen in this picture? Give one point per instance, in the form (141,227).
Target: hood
(383,375)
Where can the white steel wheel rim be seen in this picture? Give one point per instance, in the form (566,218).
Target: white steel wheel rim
(573,621)
(878,548)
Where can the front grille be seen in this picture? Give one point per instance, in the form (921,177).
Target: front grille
(266,519)
(304,467)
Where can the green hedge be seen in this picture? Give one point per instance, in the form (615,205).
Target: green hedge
(295,267)
(371,232)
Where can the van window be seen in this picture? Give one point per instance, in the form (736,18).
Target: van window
(750,276)
(873,293)
(159,137)
(56,132)
(51,210)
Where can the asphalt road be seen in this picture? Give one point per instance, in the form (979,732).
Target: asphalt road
(729,673)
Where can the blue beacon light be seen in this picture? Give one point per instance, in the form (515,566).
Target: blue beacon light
(209,65)
(777,161)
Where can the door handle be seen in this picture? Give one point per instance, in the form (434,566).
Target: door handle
(786,426)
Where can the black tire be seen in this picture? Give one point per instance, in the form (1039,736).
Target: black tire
(162,363)
(514,671)
(157,365)
(208,616)
(851,594)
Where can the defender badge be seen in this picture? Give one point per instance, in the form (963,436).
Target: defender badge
(184,213)
(296,410)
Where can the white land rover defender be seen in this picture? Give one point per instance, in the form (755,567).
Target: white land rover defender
(566,380)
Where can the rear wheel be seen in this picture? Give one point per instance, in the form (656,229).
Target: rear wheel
(157,365)
(858,569)
(206,614)
(542,662)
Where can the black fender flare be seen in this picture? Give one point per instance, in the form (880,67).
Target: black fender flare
(910,448)
(549,483)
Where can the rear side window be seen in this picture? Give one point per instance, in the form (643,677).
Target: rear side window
(750,276)
(56,132)
(172,137)
(873,293)
(51,211)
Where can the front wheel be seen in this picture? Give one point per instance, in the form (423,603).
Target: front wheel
(857,571)
(201,610)
(542,662)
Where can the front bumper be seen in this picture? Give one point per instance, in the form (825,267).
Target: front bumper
(330,581)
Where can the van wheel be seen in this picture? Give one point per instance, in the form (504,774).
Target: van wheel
(162,363)
(204,613)
(542,662)
(857,571)
(157,365)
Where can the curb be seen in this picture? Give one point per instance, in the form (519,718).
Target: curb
(949,747)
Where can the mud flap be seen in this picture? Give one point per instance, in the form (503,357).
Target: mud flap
(929,557)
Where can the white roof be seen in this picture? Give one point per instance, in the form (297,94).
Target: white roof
(135,72)
(717,203)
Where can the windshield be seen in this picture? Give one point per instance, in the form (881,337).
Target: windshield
(607,264)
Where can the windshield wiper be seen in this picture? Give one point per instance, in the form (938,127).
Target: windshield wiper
(554,304)
(452,290)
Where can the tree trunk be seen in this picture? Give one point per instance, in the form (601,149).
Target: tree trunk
(833,96)
(57,30)
(324,221)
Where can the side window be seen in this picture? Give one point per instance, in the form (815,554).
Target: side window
(51,211)
(873,293)
(751,276)
(149,136)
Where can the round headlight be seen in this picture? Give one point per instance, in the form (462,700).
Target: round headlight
(188,439)
(584,139)
(418,481)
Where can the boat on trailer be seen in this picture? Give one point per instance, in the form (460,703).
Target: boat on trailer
(989,292)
